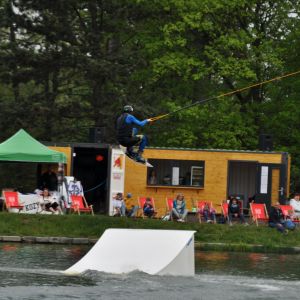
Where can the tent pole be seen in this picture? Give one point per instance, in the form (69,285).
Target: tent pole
(60,178)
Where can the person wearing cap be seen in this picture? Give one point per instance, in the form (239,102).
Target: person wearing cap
(126,133)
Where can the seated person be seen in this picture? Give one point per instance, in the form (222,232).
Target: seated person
(209,213)
(119,205)
(295,203)
(234,211)
(179,209)
(133,209)
(276,220)
(148,208)
(49,203)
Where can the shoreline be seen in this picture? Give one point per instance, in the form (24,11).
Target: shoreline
(86,229)
(202,246)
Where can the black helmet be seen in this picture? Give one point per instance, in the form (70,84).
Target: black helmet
(128,108)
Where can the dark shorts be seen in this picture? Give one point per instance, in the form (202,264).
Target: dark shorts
(54,205)
(129,141)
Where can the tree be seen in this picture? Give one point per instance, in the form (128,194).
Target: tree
(211,46)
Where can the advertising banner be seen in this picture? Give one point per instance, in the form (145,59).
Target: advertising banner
(117,176)
(30,202)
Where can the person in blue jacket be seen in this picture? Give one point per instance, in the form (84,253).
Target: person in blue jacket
(179,209)
(127,133)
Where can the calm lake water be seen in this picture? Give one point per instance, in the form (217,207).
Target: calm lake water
(31,271)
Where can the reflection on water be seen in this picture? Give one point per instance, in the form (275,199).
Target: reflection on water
(30,264)
(275,266)
(31,271)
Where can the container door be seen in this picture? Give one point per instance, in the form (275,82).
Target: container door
(272,181)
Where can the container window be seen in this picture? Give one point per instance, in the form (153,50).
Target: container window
(169,172)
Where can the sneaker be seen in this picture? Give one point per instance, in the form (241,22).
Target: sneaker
(209,221)
(140,159)
(131,154)
(246,224)
(180,220)
(230,223)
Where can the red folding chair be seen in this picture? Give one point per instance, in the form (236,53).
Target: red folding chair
(200,207)
(142,201)
(169,207)
(259,212)
(11,200)
(289,213)
(80,205)
(224,207)
(241,205)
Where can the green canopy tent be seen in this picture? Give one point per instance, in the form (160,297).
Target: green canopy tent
(22,147)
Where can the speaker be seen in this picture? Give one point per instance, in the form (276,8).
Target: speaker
(265,142)
(96,134)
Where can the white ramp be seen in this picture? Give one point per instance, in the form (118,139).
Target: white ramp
(156,252)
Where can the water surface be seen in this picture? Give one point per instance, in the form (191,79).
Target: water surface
(32,271)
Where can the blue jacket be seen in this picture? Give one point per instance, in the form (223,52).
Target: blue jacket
(130,119)
(182,206)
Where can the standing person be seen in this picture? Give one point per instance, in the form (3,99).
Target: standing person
(152,178)
(179,209)
(49,179)
(126,133)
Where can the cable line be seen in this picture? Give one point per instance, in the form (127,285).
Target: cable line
(224,95)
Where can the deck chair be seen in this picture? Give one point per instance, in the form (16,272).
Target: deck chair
(79,205)
(142,201)
(169,207)
(224,207)
(11,200)
(241,204)
(200,206)
(259,212)
(289,213)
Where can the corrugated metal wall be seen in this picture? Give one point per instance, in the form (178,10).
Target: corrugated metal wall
(242,179)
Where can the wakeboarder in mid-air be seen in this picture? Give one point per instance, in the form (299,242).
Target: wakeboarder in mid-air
(127,134)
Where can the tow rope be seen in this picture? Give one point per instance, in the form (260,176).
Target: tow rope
(223,95)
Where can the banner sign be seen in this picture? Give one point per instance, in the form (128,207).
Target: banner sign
(30,202)
(75,188)
(117,176)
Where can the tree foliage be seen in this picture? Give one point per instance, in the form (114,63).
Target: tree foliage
(67,65)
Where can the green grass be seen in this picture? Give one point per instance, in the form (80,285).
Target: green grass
(237,237)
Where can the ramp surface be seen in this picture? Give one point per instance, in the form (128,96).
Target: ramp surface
(156,252)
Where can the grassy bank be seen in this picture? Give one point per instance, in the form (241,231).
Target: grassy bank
(236,237)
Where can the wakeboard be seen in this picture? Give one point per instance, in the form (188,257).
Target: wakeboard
(146,163)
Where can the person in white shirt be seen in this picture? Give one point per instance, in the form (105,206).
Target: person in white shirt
(49,202)
(295,203)
(119,205)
